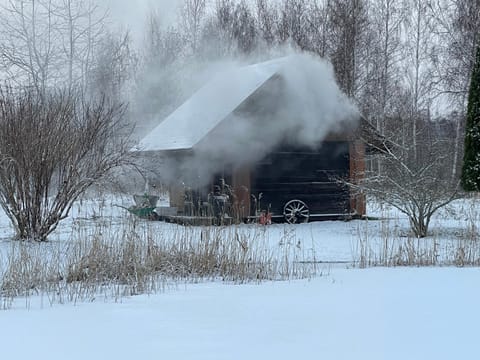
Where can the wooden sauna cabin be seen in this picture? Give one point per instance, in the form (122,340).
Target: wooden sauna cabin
(225,157)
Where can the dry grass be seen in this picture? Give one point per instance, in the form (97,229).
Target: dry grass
(112,261)
(391,245)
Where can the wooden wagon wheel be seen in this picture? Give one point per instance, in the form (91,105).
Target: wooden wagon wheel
(296,211)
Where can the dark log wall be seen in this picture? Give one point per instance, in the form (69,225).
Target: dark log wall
(305,174)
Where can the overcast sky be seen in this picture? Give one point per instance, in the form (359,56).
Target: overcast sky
(132,13)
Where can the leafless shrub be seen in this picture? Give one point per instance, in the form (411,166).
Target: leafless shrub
(54,146)
(413,178)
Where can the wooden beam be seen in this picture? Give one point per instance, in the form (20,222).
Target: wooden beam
(357,174)
(241,187)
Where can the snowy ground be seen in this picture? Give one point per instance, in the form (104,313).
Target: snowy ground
(400,313)
(376,313)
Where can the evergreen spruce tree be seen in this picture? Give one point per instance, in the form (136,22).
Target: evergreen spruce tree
(471,157)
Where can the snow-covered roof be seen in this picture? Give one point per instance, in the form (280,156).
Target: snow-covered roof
(208,107)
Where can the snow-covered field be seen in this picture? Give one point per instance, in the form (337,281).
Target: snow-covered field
(381,313)
(343,313)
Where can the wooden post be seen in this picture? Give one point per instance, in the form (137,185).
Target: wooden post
(241,187)
(177,197)
(357,174)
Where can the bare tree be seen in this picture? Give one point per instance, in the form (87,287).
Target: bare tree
(163,56)
(224,13)
(244,28)
(293,23)
(348,21)
(457,24)
(29,45)
(418,68)
(384,58)
(81,25)
(318,21)
(53,148)
(232,28)
(223,30)
(192,14)
(113,67)
(163,46)
(267,18)
(416,182)
(49,42)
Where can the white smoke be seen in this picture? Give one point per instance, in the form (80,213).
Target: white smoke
(301,106)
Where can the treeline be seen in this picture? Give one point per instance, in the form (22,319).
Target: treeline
(405,63)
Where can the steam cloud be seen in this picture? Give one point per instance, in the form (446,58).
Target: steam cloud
(301,106)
